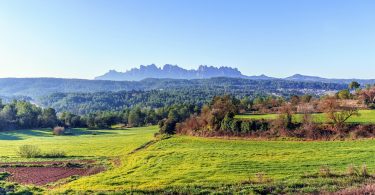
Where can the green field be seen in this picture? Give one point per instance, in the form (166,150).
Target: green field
(86,144)
(183,162)
(366,116)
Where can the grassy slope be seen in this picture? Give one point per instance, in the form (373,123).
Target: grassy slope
(366,116)
(182,161)
(106,143)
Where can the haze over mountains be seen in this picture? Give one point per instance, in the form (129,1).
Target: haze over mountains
(206,72)
(172,77)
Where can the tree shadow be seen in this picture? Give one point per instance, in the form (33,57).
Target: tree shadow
(9,137)
(79,132)
(25,134)
(35,132)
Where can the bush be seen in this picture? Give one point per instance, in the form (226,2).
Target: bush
(245,127)
(58,131)
(353,171)
(55,154)
(325,171)
(364,171)
(235,126)
(29,151)
(3,176)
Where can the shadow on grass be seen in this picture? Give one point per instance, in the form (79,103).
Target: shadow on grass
(79,132)
(9,136)
(25,134)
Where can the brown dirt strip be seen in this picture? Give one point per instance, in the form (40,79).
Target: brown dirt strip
(42,173)
(48,162)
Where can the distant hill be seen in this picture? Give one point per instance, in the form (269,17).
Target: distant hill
(304,78)
(205,72)
(172,72)
(158,93)
(38,87)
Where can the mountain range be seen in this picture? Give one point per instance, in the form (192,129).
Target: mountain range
(206,72)
(175,72)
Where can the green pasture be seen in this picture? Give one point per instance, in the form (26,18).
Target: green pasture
(183,161)
(84,144)
(366,116)
(189,161)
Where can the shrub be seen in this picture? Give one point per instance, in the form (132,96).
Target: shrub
(29,151)
(325,171)
(3,176)
(59,130)
(364,171)
(260,177)
(371,106)
(245,127)
(55,154)
(353,171)
(235,126)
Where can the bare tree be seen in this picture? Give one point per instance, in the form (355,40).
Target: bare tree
(337,113)
(367,95)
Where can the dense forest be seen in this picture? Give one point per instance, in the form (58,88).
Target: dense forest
(24,115)
(166,92)
(85,103)
(38,87)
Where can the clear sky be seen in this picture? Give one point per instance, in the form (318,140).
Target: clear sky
(86,38)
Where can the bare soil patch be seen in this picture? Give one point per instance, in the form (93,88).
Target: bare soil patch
(42,173)
(46,163)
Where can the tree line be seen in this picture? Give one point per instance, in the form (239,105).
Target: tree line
(156,93)
(25,115)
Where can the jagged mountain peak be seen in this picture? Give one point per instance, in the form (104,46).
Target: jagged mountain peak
(171,71)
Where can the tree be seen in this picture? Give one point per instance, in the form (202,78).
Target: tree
(48,118)
(235,126)
(336,113)
(226,123)
(367,96)
(220,107)
(66,118)
(135,118)
(245,103)
(306,98)
(344,94)
(8,116)
(285,117)
(294,100)
(27,114)
(354,85)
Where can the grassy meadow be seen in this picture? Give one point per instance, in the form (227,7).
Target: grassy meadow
(203,164)
(366,116)
(84,144)
(182,161)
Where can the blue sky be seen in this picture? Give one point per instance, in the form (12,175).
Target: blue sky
(84,39)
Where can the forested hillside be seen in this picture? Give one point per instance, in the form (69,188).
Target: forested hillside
(38,87)
(167,92)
